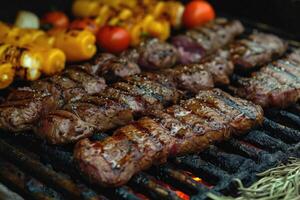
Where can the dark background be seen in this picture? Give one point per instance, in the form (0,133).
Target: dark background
(283,14)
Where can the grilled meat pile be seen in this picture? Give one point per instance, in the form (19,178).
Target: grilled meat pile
(118,104)
(276,84)
(115,106)
(197,43)
(186,128)
(25,105)
(53,93)
(256,50)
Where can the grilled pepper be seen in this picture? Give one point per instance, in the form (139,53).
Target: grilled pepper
(26,61)
(53,59)
(30,61)
(7,74)
(21,37)
(78,45)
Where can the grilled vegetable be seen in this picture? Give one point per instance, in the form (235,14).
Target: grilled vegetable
(7,73)
(53,60)
(30,61)
(197,13)
(85,24)
(26,61)
(83,8)
(113,39)
(56,19)
(171,11)
(141,19)
(77,45)
(21,37)
(26,19)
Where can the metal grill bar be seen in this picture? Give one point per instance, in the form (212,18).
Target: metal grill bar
(265,141)
(26,184)
(40,171)
(285,133)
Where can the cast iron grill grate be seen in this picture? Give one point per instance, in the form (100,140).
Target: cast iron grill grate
(39,171)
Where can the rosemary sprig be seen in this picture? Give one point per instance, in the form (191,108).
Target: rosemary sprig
(279,183)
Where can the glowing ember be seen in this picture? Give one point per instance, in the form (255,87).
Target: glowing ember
(179,193)
(182,195)
(197,179)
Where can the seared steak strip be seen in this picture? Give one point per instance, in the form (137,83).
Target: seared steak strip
(197,43)
(110,67)
(256,50)
(276,84)
(215,69)
(140,93)
(211,116)
(153,54)
(25,105)
(116,106)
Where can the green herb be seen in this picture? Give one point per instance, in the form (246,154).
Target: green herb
(282,182)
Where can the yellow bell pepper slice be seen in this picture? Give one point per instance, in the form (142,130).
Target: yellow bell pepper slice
(7,74)
(78,45)
(85,8)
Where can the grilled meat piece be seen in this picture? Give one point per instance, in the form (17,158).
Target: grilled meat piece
(256,50)
(201,41)
(155,54)
(115,108)
(220,66)
(24,106)
(192,77)
(110,67)
(211,116)
(196,77)
(276,84)
(118,68)
(82,118)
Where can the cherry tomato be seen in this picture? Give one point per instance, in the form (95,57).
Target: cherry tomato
(85,23)
(197,13)
(56,19)
(113,39)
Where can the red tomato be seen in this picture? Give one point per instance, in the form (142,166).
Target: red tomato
(56,19)
(113,39)
(197,13)
(86,23)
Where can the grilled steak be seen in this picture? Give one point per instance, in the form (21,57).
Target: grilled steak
(256,50)
(82,118)
(110,67)
(214,69)
(116,107)
(154,54)
(276,84)
(201,41)
(24,106)
(211,116)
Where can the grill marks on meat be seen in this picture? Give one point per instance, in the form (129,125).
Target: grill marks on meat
(276,84)
(115,107)
(213,70)
(110,67)
(256,50)
(204,40)
(139,93)
(190,127)
(155,54)
(81,118)
(24,106)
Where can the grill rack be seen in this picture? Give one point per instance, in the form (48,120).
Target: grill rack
(36,170)
(41,171)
